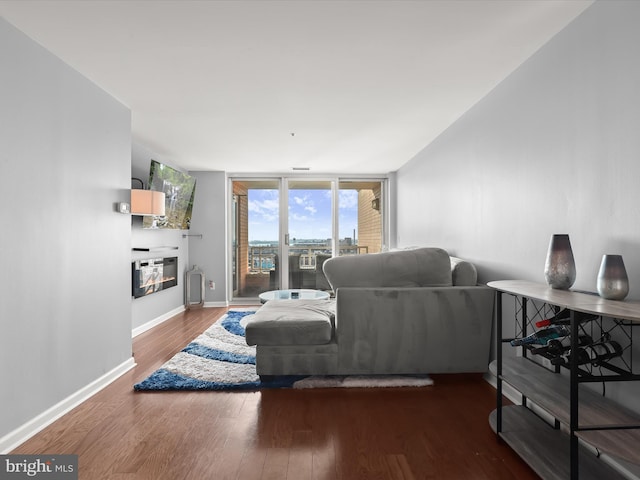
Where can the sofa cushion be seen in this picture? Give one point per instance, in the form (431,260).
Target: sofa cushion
(420,267)
(463,273)
(291,322)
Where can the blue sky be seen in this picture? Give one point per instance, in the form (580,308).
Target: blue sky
(309,214)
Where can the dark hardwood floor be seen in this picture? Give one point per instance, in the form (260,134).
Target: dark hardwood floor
(440,432)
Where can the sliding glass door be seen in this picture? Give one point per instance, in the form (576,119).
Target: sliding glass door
(283,229)
(255,237)
(309,232)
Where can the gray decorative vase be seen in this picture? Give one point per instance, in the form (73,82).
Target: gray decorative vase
(613,282)
(560,267)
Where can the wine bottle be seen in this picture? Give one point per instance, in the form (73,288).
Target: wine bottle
(599,352)
(542,337)
(557,346)
(557,318)
(594,354)
(563,317)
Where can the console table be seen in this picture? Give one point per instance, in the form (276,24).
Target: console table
(579,420)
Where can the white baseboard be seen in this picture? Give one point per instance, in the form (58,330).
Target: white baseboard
(25,432)
(156,321)
(164,317)
(215,304)
(507,390)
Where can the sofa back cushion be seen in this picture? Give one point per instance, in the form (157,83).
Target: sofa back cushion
(421,267)
(463,273)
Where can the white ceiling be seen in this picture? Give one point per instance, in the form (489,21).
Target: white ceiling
(263,86)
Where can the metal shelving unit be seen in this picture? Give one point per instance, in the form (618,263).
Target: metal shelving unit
(584,421)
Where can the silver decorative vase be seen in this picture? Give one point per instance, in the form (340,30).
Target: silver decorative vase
(613,282)
(560,267)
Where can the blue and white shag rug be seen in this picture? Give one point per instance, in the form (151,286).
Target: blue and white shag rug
(220,359)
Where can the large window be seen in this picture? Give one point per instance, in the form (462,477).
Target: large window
(360,217)
(284,229)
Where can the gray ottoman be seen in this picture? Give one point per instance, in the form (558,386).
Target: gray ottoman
(294,337)
(292,322)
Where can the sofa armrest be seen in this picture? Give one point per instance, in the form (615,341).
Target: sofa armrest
(463,273)
(414,330)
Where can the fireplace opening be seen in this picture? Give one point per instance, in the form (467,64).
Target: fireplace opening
(153,275)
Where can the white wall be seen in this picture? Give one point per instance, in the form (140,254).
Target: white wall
(210,220)
(65,313)
(553,149)
(148,310)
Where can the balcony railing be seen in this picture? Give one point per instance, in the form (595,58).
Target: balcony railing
(263,258)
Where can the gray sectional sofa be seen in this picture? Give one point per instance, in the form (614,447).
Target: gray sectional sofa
(415,311)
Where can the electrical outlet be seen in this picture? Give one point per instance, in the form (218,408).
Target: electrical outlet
(123,207)
(212,285)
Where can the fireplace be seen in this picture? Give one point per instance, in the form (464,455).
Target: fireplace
(153,275)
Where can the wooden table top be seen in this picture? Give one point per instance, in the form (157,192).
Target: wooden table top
(574,300)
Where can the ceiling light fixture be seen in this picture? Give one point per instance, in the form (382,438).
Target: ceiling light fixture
(301,169)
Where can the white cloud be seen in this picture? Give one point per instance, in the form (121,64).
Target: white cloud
(348,199)
(306,203)
(264,212)
(267,209)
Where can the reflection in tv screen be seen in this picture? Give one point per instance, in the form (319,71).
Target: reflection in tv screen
(179,189)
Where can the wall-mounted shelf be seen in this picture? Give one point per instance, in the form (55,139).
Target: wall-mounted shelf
(154,249)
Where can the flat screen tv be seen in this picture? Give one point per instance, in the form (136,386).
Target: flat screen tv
(179,189)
